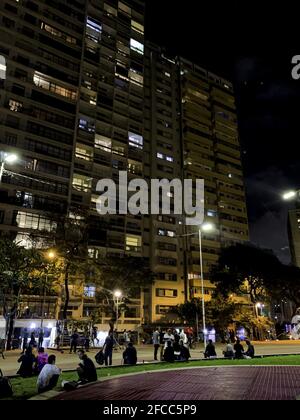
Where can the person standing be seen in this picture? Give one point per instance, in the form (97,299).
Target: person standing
(169,353)
(108,349)
(95,335)
(126,336)
(74,341)
(25,340)
(41,338)
(183,338)
(156,342)
(32,342)
(168,337)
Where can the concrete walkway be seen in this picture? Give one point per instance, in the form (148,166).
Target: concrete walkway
(217,383)
(68,361)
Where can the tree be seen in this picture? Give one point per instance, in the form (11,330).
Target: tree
(20,269)
(246,269)
(129,274)
(189,310)
(220,313)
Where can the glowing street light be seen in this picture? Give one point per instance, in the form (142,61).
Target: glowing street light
(289,195)
(9,158)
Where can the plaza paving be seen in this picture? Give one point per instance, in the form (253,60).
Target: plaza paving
(67,361)
(218,383)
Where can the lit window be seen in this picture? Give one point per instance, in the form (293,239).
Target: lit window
(159,155)
(137,27)
(15,105)
(169,159)
(133,243)
(110,10)
(211,213)
(45,82)
(135,167)
(171,233)
(82,183)
(89,291)
(86,124)
(136,77)
(93,30)
(161,232)
(84,152)
(2,67)
(136,46)
(103,143)
(35,222)
(125,9)
(55,32)
(167,74)
(135,140)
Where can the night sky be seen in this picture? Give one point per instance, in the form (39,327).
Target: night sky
(251,44)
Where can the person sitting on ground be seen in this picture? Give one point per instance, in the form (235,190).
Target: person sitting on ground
(239,350)
(27,361)
(184,352)
(228,350)
(169,353)
(250,350)
(130,355)
(86,369)
(42,359)
(48,376)
(210,350)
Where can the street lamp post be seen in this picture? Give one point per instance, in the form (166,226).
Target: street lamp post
(50,256)
(117,295)
(206,227)
(6,158)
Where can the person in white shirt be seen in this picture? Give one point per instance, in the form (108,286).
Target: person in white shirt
(183,338)
(168,337)
(49,375)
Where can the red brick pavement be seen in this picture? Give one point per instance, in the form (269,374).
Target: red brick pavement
(219,383)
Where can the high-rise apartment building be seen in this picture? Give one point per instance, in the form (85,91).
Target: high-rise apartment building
(82,98)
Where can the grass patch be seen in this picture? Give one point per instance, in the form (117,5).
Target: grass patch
(26,388)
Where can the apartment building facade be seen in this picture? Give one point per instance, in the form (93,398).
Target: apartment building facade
(83,97)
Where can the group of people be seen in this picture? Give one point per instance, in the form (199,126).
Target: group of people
(48,373)
(174,345)
(231,351)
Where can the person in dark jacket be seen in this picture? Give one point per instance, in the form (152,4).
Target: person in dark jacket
(210,350)
(184,352)
(25,340)
(169,353)
(130,355)
(32,342)
(250,350)
(239,350)
(108,348)
(27,361)
(74,341)
(86,369)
